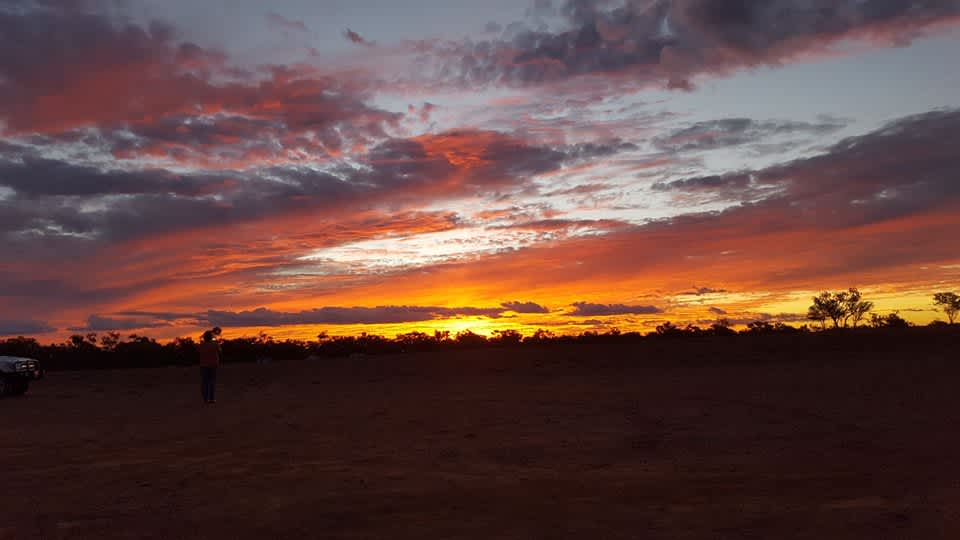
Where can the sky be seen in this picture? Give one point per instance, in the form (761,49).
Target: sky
(306,166)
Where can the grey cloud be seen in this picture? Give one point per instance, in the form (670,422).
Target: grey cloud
(907,166)
(287,24)
(585,151)
(493,27)
(757,25)
(700,291)
(525,307)
(670,42)
(731,132)
(585,309)
(24,327)
(98,323)
(354,37)
(717,310)
(737,181)
(541,8)
(83,202)
(37,177)
(134,320)
(157,315)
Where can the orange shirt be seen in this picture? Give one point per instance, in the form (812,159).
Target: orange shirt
(209,353)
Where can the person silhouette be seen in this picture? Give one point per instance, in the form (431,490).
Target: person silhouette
(209,352)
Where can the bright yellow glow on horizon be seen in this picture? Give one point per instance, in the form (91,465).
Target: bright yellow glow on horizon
(914,305)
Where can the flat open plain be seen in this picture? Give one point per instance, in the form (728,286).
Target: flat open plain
(713,438)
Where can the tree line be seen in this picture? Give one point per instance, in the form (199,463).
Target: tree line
(844,310)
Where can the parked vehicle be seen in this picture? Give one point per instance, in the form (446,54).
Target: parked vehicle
(16,374)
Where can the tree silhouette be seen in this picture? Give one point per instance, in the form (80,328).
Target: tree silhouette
(722,328)
(843,308)
(110,341)
(826,306)
(855,307)
(467,338)
(893,320)
(540,336)
(949,303)
(506,337)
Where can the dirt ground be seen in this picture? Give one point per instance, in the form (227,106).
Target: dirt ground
(662,440)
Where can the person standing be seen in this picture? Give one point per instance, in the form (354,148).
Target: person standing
(209,350)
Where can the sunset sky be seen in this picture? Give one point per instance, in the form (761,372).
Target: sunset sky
(300,166)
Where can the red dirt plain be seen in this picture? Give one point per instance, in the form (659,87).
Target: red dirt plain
(779,438)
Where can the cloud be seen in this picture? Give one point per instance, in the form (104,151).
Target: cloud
(84,202)
(903,168)
(98,323)
(492,27)
(33,177)
(717,182)
(669,43)
(700,291)
(354,37)
(885,200)
(24,328)
(733,132)
(173,80)
(541,8)
(287,24)
(585,309)
(882,207)
(716,310)
(346,315)
(525,307)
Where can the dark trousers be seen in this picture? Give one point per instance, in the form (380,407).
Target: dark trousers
(208,383)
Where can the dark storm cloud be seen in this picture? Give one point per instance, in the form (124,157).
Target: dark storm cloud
(671,41)
(345,315)
(525,307)
(585,309)
(24,328)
